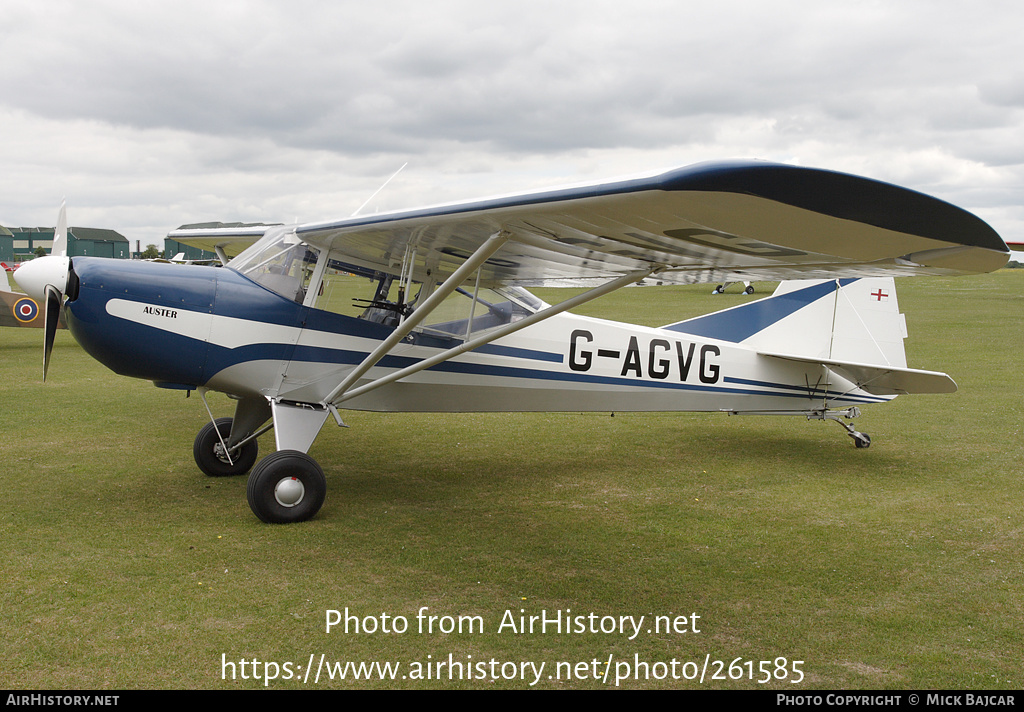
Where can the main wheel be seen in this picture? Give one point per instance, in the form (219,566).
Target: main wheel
(749,290)
(286,486)
(210,455)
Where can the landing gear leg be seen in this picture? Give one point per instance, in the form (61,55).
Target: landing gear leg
(289,486)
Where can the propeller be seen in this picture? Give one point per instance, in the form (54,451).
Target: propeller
(46,279)
(54,301)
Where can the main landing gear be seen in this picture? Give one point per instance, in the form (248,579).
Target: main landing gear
(284,487)
(213,456)
(748,288)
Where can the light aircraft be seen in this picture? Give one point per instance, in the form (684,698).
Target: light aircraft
(748,288)
(447,324)
(179,259)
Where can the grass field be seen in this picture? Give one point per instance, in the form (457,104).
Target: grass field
(900,566)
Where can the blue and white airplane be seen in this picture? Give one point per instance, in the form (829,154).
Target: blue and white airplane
(446,323)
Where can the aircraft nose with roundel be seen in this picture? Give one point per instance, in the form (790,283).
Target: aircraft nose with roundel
(428,310)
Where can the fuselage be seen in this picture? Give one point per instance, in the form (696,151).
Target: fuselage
(187,327)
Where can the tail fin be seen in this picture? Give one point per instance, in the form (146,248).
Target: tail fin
(853,326)
(847,320)
(858,321)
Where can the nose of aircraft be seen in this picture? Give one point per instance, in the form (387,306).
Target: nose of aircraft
(33,277)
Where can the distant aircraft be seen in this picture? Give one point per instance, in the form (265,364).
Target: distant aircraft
(180,259)
(748,288)
(444,322)
(18,309)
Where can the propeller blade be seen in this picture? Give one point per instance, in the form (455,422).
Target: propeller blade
(60,233)
(52,316)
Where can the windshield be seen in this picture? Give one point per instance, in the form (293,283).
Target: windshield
(279,261)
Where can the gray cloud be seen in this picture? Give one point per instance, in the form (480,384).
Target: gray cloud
(141,109)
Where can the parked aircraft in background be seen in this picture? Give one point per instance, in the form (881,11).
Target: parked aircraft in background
(748,288)
(18,309)
(180,259)
(427,309)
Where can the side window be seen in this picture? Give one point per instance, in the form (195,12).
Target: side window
(379,297)
(357,293)
(461,315)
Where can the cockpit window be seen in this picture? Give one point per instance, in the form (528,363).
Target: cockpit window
(279,261)
(283,263)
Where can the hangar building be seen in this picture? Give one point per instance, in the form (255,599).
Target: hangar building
(82,241)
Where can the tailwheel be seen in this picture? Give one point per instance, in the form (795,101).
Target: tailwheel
(861,439)
(286,486)
(214,459)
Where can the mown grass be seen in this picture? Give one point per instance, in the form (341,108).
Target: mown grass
(894,567)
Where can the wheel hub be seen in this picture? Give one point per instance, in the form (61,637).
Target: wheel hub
(289,491)
(221,453)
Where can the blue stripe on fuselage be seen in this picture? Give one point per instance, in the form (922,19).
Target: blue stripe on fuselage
(141,351)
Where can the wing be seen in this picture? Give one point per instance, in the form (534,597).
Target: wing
(230,238)
(708,222)
(728,221)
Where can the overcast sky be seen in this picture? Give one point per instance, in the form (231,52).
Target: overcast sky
(147,115)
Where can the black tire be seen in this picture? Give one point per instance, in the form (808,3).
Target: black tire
(285,487)
(863,441)
(749,290)
(213,465)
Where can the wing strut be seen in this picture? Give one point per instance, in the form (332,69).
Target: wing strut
(492,245)
(341,393)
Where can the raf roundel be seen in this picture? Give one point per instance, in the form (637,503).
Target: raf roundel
(25,310)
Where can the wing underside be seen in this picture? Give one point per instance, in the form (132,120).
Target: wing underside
(710,222)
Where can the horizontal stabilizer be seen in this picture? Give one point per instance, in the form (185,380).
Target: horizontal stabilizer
(882,380)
